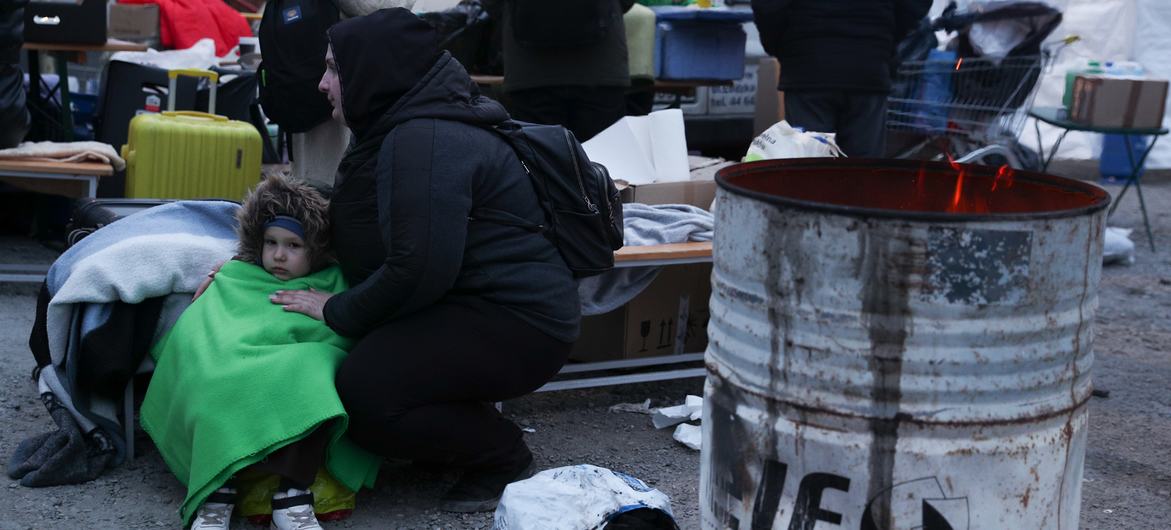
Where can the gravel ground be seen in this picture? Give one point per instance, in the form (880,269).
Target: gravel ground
(1127,477)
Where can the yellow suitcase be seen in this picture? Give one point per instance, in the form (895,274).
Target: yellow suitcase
(191,155)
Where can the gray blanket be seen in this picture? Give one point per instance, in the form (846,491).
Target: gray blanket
(643,224)
(154,253)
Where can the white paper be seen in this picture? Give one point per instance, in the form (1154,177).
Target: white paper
(690,410)
(669,146)
(668,416)
(695,403)
(643,149)
(689,435)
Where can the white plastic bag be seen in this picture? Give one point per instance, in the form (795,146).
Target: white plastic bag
(581,497)
(1118,248)
(200,55)
(785,141)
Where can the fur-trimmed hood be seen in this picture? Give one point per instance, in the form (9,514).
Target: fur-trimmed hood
(277,196)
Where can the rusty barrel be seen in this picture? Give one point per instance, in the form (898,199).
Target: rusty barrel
(898,345)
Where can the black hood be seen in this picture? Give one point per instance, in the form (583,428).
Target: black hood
(446,92)
(379,58)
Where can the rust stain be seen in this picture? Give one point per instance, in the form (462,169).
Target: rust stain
(1025,499)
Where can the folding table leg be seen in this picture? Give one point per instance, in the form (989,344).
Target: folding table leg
(128,418)
(1136,178)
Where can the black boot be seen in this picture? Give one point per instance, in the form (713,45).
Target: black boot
(479,490)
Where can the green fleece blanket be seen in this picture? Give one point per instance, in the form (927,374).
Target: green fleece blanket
(238,377)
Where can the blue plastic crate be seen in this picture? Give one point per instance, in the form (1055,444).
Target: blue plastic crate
(698,49)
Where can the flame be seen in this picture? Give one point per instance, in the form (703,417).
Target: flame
(958,194)
(958,63)
(1004,174)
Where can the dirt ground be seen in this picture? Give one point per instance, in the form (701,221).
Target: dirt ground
(1127,477)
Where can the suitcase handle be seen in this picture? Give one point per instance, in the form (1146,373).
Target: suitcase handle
(195,114)
(192,72)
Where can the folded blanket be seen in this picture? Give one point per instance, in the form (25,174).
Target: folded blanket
(238,377)
(66,152)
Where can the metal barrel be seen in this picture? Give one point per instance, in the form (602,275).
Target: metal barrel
(893,346)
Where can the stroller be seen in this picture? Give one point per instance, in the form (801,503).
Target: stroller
(971,99)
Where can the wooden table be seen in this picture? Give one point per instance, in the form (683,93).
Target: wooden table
(679,88)
(71,179)
(62,55)
(1057,117)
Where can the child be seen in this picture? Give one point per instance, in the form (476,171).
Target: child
(241,383)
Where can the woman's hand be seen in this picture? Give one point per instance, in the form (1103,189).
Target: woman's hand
(207,281)
(311,302)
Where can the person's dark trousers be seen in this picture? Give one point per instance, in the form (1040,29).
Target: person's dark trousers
(584,110)
(297,463)
(640,97)
(858,118)
(422,387)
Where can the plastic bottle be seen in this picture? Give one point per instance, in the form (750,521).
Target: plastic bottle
(1124,68)
(1093,67)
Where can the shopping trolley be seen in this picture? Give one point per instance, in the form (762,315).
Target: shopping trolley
(958,102)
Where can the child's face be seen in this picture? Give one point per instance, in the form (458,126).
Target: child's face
(285,255)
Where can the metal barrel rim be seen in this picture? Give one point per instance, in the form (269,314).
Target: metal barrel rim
(1100,197)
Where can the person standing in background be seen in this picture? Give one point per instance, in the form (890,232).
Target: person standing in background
(565,62)
(836,61)
(317,151)
(14,118)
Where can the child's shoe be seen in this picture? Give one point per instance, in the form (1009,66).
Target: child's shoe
(293,510)
(216,512)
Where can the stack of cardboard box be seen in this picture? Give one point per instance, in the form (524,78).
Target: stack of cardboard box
(670,316)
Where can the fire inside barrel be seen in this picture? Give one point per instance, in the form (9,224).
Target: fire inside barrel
(898,345)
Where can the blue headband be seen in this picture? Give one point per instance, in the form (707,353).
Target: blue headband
(288,223)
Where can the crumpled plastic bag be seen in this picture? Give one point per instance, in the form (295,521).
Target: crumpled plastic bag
(583,497)
(785,141)
(1118,248)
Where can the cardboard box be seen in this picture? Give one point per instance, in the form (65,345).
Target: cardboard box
(1121,102)
(134,21)
(699,193)
(668,318)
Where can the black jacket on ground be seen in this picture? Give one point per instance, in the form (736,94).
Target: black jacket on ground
(404,192)
(835,44)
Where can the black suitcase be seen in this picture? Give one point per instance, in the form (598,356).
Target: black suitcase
(92,214)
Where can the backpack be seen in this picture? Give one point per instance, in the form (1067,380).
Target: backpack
(561,23)
(293,42)
(583,210)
